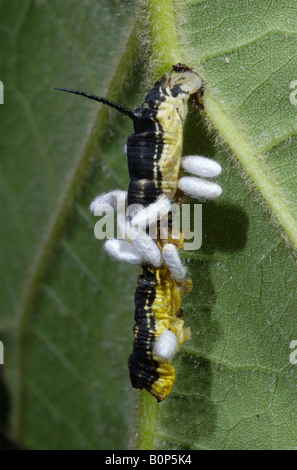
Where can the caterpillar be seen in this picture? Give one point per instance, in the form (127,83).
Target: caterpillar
(154,154)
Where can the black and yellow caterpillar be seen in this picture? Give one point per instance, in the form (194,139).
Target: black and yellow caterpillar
(154,157)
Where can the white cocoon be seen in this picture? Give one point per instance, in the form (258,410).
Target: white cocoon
(121,250)
(173,261)
(149,215)
(166,345)
(108,201)
(201,166)
(148,250)
(198,187)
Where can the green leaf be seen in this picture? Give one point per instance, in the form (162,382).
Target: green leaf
(66,308)
(66,336)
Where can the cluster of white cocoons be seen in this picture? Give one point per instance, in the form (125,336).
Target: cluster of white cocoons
(137,247)
(200,187)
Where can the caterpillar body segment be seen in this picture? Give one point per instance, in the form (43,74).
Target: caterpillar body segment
(154,150)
